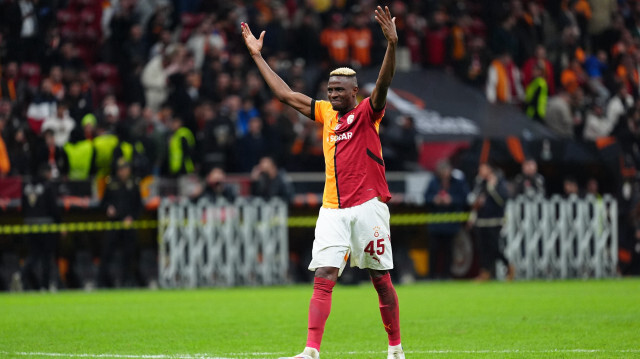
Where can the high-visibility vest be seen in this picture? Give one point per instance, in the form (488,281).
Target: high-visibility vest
(537,95)
(176,157)
(104,145)
(80,155)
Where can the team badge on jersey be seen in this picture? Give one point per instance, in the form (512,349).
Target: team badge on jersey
(350,119)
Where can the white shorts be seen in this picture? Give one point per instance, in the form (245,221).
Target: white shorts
(360,232)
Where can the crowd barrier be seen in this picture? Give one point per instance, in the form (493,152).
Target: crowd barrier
(562,237)
(222,243)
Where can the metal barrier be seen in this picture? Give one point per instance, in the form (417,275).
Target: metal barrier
(222,243)
(562,237)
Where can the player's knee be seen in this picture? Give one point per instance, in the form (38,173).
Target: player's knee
(373,273)
(329,273)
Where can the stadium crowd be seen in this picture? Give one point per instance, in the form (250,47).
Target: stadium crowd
(169,83)
(168,86)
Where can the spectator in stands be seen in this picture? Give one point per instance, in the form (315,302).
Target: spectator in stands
(537,95)
(436,40)
(360,41)
(596,122)
(217,188)
(217,139)
(57,85)
(597,69)
(61,125)
(5,163)
(43,106)
(40,206)
(559,116)
(529,182)
(618,105)
(252,146)
(335,39)
(473,69)
(156,73)
(80,103)
(488,200)
(267,181)
(447,192)
(20,155)
(122,204)
(503,81)
(400,144)
(48,153)
(539,60)
(245,114)
(10,86)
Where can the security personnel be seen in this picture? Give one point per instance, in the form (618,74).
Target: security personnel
(182,144)
(40,206)
(122,204)
(537,95)
(81,153)
(104,145)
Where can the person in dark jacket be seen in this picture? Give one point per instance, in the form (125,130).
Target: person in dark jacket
(217,188)
(122,204)
(40,206)
(267,181)
(529,183)
(446,193)
(488,200)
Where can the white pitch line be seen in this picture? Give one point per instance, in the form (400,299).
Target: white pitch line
(256,355)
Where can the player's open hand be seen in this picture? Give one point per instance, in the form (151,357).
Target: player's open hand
(387,23)
(254,45)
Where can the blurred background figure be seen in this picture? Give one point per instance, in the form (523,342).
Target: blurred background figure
(447,192)
(40,206)
(122,204)
(488,200)
(216,188)
(570,186)
(267,181)
(529,182)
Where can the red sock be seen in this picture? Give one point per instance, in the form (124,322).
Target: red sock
(319,310)
(389,309)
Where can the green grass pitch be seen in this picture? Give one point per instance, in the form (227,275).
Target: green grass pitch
(563,319)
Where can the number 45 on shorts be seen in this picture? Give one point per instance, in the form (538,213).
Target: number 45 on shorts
(378,249)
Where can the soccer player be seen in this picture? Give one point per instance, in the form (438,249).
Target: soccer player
(354,219)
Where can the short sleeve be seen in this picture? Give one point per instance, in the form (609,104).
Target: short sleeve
(321,110)
(376,116)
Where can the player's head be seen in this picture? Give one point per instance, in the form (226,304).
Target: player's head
(342,89)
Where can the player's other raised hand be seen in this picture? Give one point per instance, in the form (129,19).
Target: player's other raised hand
(254,45)
(387,23)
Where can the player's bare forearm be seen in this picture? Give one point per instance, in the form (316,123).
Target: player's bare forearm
(388,68)
(283,92)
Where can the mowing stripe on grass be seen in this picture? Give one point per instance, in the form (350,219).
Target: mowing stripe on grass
(259,355)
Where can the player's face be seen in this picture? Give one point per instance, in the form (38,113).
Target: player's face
(341,92)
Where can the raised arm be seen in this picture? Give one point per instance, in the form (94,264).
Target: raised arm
(388,68)
(297,100)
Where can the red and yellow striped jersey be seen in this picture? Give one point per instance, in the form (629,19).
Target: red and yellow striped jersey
(354,167)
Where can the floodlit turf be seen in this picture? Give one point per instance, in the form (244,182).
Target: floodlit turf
(574,319)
